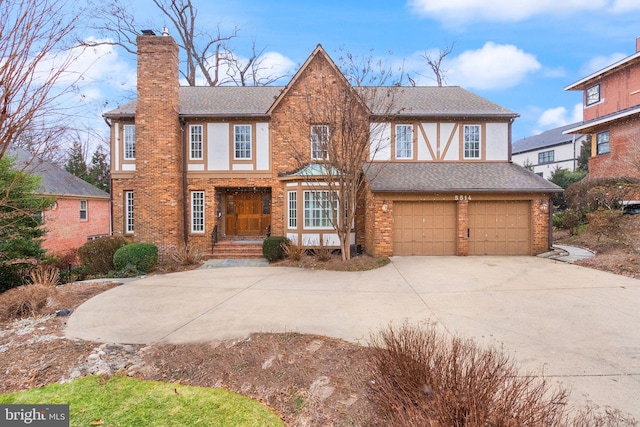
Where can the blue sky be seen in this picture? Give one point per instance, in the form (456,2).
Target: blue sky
(520,54)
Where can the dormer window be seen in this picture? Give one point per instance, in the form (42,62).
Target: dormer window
(129,132)
(593,94)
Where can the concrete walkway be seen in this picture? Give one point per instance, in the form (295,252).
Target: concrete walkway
(576,325)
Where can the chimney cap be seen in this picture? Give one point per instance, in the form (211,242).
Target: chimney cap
(148,33)
(165,32)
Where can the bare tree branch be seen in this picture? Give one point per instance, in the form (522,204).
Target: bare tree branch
(435,63)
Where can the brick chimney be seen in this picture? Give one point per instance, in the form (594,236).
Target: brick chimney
(158,177)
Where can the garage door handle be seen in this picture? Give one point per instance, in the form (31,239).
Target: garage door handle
(468,233)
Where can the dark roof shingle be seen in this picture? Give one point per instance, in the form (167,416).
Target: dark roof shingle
(548,138)
(467,177)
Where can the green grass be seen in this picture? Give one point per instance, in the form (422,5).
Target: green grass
(124,401)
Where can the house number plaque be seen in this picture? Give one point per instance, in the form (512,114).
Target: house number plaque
(462,197)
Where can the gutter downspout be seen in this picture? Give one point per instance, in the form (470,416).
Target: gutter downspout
(108,122)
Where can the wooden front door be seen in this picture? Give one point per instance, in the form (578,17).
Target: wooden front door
(248,214)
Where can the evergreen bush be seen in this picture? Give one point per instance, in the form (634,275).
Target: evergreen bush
(273,247)
(141,256)
(97,255)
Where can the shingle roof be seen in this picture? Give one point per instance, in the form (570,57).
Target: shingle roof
(54,180)
(548,138)
(467,177)
(425,101)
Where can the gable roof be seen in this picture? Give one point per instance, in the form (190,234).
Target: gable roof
(547,138)
(584,82)
(451,177)
(608,118)
(54,181)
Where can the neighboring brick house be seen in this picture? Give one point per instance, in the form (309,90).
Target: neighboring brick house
(80,211)
(611,115)
(188,159)
(548,151)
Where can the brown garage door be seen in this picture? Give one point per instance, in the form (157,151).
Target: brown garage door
(424,228)
(499,228)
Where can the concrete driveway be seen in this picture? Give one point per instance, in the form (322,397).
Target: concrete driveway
(577,326)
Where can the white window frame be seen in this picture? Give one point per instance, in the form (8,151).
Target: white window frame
(196,147)
(404,146)
(242,147)
(292,210)
(472,152)
(84,209)
(316,216)
(319,138)
(128,212)
(129,142)
(592,95)
(600,144)
(197,212)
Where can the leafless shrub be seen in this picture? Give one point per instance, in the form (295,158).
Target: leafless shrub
(323,253)
(605,222)
(293,251)
(25,301)
(423,378)
(187,255)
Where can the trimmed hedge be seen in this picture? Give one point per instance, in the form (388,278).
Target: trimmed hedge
(273,248)
(142,256)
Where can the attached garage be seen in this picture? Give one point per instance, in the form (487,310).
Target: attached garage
(499,228)
(424,228)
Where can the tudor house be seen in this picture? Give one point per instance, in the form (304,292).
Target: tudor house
(611,114)
(439,178)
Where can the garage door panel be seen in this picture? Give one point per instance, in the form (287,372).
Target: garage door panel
(499,228)
(424,228)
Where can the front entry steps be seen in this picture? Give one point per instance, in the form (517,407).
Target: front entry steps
(236,247)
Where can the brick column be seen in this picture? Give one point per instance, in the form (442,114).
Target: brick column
(463,228)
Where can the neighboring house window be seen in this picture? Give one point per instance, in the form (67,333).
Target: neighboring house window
(197,211)
(128,211)
(540,174)
(593,94)
(242,138)
(195,135)
(317,211)
(83,210)
(472,141)
(404,142)
(129,136)
(546,157)
(602,140)
(293,209)
(319,142)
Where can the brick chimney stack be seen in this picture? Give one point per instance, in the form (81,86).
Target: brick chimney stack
(158,198)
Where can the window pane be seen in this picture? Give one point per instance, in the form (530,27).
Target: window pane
(317,211)
(197,211)
(404,142)
(593,94)
(293,209)
(546,157)
(196,142)
(129,137)
(83,209)
(319,142)
(128,201)
(472,142)
(242,140)
(603,142)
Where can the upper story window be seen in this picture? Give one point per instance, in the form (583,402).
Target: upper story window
(593,94)
(319,142)
(602,142)
(404,142)
(197,211)
(546,157)
(129,137)
(83,210)
(242,142)
(128,211)
(195,137)
(472,141)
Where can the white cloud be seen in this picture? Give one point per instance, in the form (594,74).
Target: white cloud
(493,66)
(559,116)
(620,6)
(599,62)
(456,11)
